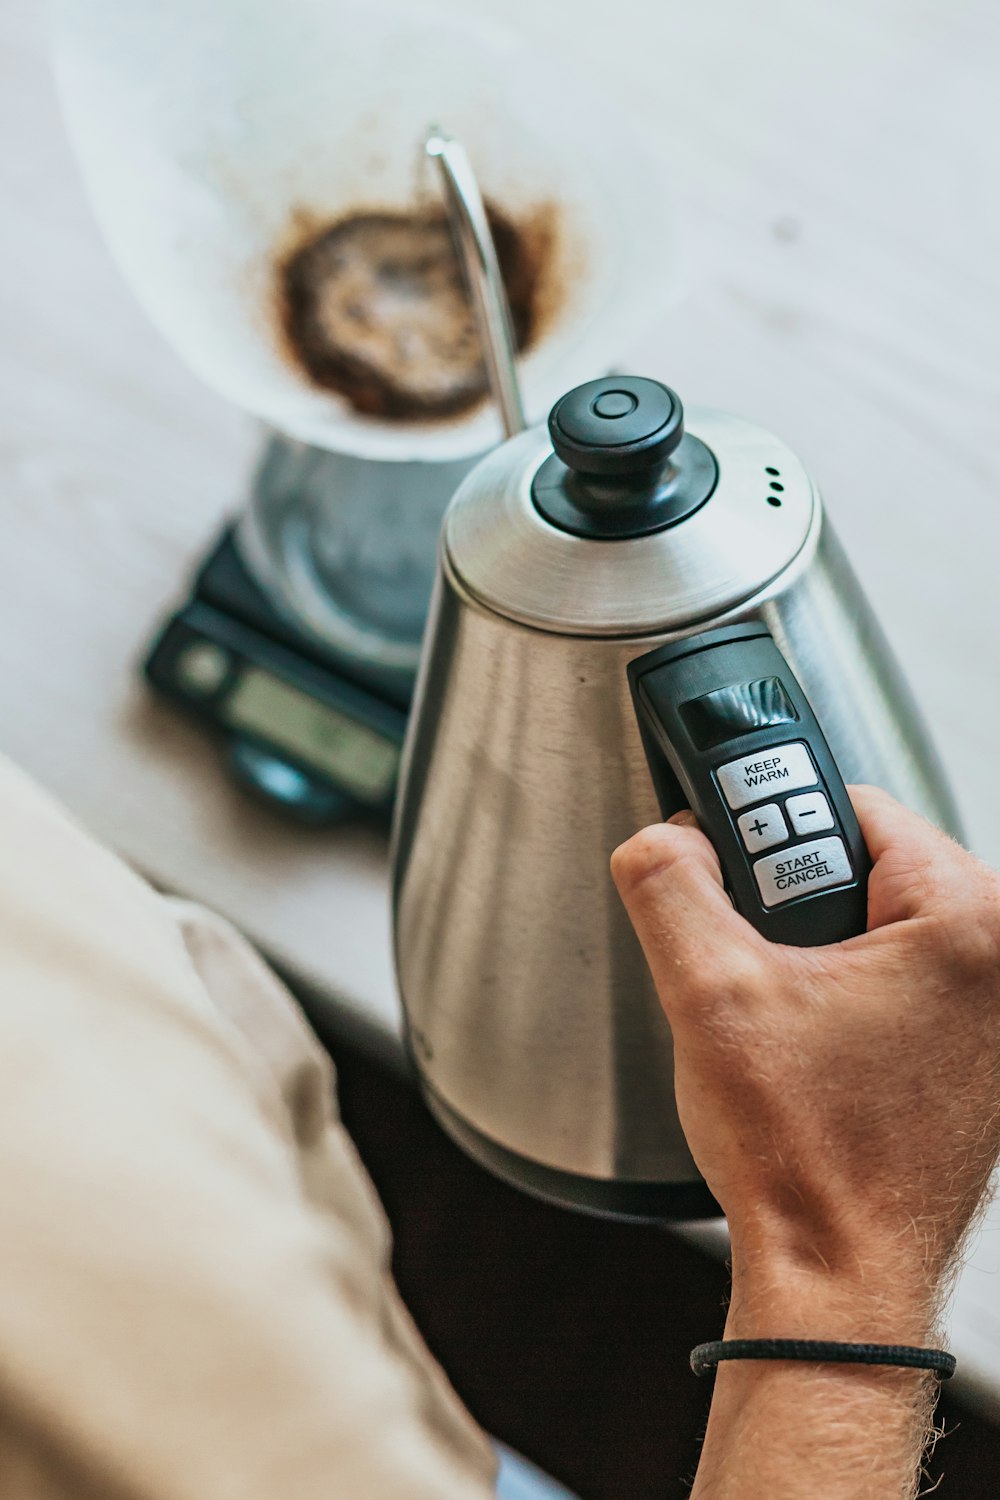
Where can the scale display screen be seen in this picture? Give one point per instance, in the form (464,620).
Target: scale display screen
(350,753)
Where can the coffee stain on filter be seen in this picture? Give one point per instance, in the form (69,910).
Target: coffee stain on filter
(373,305)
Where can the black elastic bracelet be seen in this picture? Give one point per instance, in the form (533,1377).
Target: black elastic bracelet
(908,1356)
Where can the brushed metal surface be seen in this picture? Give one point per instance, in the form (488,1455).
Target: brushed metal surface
(524,567)
(529,1006)
(526,994)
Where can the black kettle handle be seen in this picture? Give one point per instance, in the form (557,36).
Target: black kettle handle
(729,732)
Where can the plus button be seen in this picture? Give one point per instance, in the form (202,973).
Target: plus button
(761,827)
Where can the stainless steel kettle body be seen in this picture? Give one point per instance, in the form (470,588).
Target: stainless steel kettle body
(535,1030)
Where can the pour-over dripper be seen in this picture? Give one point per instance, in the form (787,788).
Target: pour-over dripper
(213,137)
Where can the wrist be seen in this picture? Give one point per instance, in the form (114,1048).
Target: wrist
(799,1427)
(845,1274)
(777,1297)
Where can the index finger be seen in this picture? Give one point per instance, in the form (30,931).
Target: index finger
(916,866)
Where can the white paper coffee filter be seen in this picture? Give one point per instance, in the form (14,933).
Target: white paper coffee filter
(206,127)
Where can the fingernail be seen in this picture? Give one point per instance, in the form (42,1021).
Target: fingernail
(684,819)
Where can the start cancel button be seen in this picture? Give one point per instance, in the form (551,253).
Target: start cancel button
(756,778)
(802,870)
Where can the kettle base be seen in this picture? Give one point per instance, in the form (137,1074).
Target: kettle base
(635,1202)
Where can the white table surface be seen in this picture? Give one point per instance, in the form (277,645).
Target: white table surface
(835,170)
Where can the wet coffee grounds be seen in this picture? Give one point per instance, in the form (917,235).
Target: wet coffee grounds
(375,307)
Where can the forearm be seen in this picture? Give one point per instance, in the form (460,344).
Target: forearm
(778,1431)
(781,1431)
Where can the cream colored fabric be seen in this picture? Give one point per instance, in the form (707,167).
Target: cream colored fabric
(194,1302)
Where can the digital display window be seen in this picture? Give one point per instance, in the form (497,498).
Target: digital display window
(729,712)
(354,755)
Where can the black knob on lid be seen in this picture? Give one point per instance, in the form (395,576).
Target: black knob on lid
(623,464)
(622,424)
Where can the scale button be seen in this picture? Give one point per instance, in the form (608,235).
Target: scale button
(810,813)
(202,668)
(763,827)
(802,870)
(777,768)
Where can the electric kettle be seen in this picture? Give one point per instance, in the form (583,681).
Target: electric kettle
(692,554)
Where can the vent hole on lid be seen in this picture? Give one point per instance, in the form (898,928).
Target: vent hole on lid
(774,499)
(776,486)
(769,470)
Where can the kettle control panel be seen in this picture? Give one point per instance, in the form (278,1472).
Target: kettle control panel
(728,732)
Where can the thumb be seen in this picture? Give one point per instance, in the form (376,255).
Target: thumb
(670,881)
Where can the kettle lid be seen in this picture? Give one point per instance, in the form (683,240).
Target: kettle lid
(623,465)
(628,517)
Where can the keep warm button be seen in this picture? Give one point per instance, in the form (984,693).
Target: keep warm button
(756,778)
(802,870)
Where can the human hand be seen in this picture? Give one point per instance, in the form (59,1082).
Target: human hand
(843,1103)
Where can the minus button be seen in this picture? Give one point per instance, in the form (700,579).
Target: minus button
(809,813)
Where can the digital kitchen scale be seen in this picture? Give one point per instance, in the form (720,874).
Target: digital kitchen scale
(319,736)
